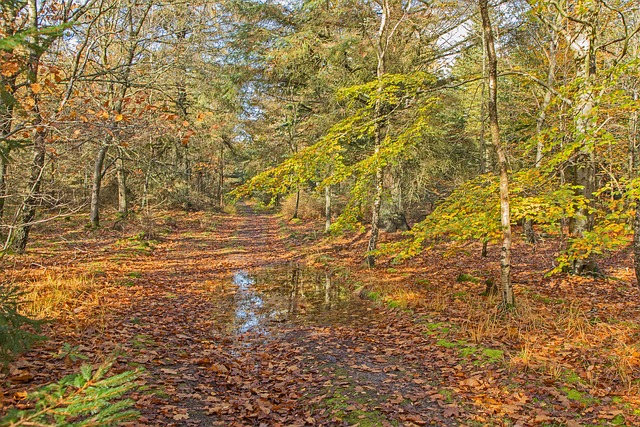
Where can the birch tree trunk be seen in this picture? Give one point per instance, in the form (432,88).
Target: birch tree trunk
(221,178)
(492,106)
(381,51)
(123,199)
(327,208)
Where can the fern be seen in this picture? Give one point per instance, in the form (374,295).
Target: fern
(88,398)
(14,338)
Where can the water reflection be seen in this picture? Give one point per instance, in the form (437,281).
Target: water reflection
(248,304)
(290,293)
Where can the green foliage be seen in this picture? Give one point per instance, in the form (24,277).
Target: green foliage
(472,213)
(344,154)
(465,277)
(88,398)
(72,353)
(14,334)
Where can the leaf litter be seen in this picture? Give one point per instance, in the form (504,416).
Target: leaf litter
(294,346)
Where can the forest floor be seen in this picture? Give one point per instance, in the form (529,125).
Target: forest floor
(246,319)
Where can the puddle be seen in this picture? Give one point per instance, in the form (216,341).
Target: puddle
(260,301)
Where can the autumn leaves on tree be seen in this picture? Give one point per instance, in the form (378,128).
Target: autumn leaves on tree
(468,119)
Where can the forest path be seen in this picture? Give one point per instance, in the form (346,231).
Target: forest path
(233,332)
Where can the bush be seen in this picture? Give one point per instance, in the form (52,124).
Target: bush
(310,206)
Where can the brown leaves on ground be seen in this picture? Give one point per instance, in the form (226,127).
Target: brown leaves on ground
(164,300)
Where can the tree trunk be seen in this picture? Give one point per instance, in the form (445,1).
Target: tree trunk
(96,186)
(633,145)
(221,178)
(636,242)
(7,105)
(39,148)
(33,196)
(381,50)
(145,189)
(3,184)
(505,215)
(484,146)
(121,173)
(295,209)
(377,203)
(327,208)
(396,219)
(633,138)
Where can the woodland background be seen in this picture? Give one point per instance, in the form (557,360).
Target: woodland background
(464,124)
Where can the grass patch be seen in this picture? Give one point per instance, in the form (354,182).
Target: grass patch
(55,296)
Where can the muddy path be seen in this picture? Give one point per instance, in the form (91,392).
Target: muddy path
(233,330)
(267,341)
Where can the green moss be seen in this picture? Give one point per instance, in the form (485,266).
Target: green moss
(468,351)
(373,296)
(541,298)
(343,409)
(571,377)
(464,277)
(392,303)
(618,420)
(446,344)
(493,355)
(142,341)
(438,328)
(447,394)
(573,394)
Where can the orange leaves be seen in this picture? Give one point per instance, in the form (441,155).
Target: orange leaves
(9,67)
(470,382)
(219,368)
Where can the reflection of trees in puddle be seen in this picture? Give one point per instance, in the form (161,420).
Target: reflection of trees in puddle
(248,304)
(289,293)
